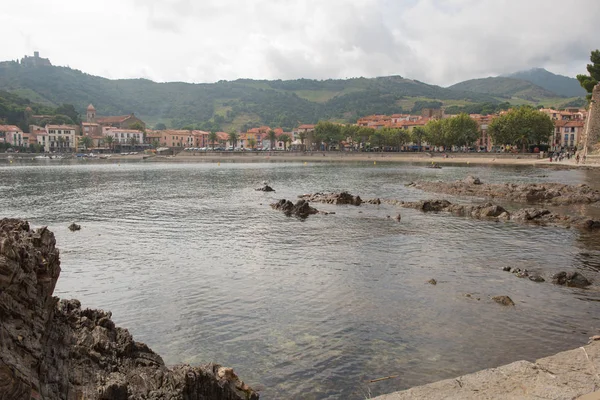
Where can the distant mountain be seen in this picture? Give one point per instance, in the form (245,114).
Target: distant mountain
(506,88)
(230,104)
(559,84)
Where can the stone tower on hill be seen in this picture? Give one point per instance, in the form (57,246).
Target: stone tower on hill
(91,113)
(35,61)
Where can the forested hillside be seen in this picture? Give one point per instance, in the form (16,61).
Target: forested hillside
(239,103)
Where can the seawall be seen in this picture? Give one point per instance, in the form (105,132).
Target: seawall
(572,374)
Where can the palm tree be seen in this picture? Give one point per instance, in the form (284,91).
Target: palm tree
(285,139)
(109,140)
(86,142)
(212,138)
(302,136)
(61,143)
(233,138)
(272,138)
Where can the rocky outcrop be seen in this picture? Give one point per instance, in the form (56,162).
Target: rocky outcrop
(495,212)
(265,188)
(54,349)
(551,193)
(504,300)
(74,227)
(570,279)
(335,198)
(301,209)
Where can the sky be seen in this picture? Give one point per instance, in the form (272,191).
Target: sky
(435,41)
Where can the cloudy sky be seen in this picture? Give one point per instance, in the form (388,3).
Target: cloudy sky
(435,41)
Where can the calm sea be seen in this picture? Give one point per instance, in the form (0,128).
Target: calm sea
(193,261)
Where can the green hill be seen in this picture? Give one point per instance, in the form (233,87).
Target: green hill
(559,84)
(227,104)
(506,88)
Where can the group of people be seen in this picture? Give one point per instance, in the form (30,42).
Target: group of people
(561,155)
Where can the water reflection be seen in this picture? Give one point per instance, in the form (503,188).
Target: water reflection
(195,263)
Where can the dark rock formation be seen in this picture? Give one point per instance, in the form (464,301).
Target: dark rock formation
(507,269)
(553,193)
(74,227)
(265,188)
(571,279)
(334,198)
(432,282)
(53,349)
(504,300)
(495,212)
(536,278)
(301,209)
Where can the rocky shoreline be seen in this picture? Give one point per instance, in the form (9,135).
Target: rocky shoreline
(54,349)
(548,193)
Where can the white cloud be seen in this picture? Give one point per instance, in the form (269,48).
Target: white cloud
(435,41)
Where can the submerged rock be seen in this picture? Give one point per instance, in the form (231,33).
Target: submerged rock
(432,282)
(470,180)
(74,227)
(54,349)
(504,300)
(301,209)
(571,279)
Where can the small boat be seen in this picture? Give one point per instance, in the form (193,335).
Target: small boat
(42,157)
(434,166)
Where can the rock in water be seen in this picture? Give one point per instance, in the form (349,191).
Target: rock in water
(301,209)
(74,227)
(470,180)
(266,188)
(571,279)
(432,282)
(504,300)
(53,349)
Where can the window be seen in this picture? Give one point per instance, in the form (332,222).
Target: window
(567,129)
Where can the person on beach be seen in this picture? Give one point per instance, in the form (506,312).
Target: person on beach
(577,158)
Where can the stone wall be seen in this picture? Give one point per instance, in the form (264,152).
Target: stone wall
(54,349)
(591,134)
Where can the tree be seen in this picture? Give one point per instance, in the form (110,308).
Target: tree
(109,141)
(133,141)
(521,126)
(285,138)
(328,133)
(462,130)
(86,142)
(233,138)
(395,137)
(434,133)
(160,127)
(378,138)
(69,111)
(302,136)
(212,138)
(138,126)
(155,143)
(417,134)
(589,81)
(272,138)
(252,143)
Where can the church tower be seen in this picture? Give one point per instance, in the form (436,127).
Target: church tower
(91,113)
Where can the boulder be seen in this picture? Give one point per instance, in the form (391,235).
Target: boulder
(536,278)
(504,300)
(301,209)
(570,279)
(432,282)
(74,227)
(54,349)
(266,188)
(341,198)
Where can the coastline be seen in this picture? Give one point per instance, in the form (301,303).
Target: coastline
(572,374)
(372,158)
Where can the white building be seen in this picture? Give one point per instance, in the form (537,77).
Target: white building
(124,136)
(61,138)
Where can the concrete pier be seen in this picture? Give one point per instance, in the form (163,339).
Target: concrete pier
(568,375)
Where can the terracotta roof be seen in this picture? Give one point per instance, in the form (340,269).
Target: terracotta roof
(108,120)
(89,124)
(10,128)
(61,127)
(91,108)
(306,126)
(123,130)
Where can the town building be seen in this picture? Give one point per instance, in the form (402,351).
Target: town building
(11,134)
(119,121)
(60,138)
(567,133)
(124,136)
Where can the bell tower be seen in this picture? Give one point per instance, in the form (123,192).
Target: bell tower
(91,113)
